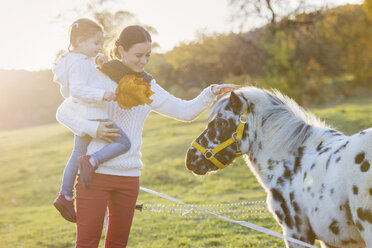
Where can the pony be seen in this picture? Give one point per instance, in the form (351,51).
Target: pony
(318,180)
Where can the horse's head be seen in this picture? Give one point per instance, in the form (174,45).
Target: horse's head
(219,144)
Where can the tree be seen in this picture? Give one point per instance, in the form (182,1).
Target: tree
(367,6)
(248,14)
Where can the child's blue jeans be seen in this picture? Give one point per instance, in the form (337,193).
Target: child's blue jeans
(119,146)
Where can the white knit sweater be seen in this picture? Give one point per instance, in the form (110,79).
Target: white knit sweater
(80,80)
(132,121)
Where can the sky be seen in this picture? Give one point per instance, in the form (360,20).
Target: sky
(32,34)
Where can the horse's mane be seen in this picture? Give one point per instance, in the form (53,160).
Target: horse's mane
(286,123)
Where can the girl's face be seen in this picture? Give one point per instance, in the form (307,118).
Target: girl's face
(90,46)
(137,56)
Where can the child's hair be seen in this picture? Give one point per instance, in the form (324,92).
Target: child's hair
(128,37)
(82,29)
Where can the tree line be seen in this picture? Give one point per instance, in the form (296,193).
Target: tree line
(314,52)
(313,57)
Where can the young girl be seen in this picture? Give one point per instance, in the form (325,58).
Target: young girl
(81,85)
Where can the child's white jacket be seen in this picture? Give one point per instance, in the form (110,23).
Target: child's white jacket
(81,84)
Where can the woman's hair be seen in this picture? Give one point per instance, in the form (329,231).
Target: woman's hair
(83,29)
(130,36)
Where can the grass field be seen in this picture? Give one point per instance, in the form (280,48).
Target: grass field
(32,161)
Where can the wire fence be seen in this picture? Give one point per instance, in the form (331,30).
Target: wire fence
(253,209)
(245,209)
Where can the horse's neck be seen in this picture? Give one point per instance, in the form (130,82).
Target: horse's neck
(268,163)
(264,163)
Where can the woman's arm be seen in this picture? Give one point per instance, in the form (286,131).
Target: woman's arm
(68,116)
(183,110)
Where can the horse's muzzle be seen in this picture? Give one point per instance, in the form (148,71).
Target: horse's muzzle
(196,163)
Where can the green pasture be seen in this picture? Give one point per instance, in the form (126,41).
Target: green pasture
(32,161)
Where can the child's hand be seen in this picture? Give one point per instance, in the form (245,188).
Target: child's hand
(109,96)
(101,59)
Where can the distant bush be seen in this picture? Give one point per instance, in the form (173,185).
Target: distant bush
(27,98)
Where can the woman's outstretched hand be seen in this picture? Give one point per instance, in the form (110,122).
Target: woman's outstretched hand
(218,89)
(106,132)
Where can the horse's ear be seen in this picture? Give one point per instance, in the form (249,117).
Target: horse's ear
(235,103)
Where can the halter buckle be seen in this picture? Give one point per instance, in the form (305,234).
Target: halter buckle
(208,154)
(243,119)
(237,142)
(235,136)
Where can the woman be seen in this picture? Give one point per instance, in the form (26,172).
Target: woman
(115,184)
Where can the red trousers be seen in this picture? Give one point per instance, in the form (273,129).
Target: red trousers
(118,194)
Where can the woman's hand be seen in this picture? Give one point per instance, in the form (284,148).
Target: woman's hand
(106,132)
(218,89)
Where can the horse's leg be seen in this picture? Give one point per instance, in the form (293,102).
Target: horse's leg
(368,241)
(294,226)
(360,212)
(325,245)
(304,237)
(288,215)
(365,229)
(293,245)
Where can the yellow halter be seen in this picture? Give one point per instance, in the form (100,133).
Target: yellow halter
(236,137)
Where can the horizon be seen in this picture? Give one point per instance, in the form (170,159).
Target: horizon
(33,47)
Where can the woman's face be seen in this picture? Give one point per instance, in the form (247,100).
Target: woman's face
(137,56)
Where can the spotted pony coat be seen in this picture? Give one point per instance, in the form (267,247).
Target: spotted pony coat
(318,180)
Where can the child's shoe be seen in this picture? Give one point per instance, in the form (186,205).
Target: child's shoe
(139,207)
(66,208)
(86,170)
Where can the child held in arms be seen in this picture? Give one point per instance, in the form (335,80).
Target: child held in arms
(81,84)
